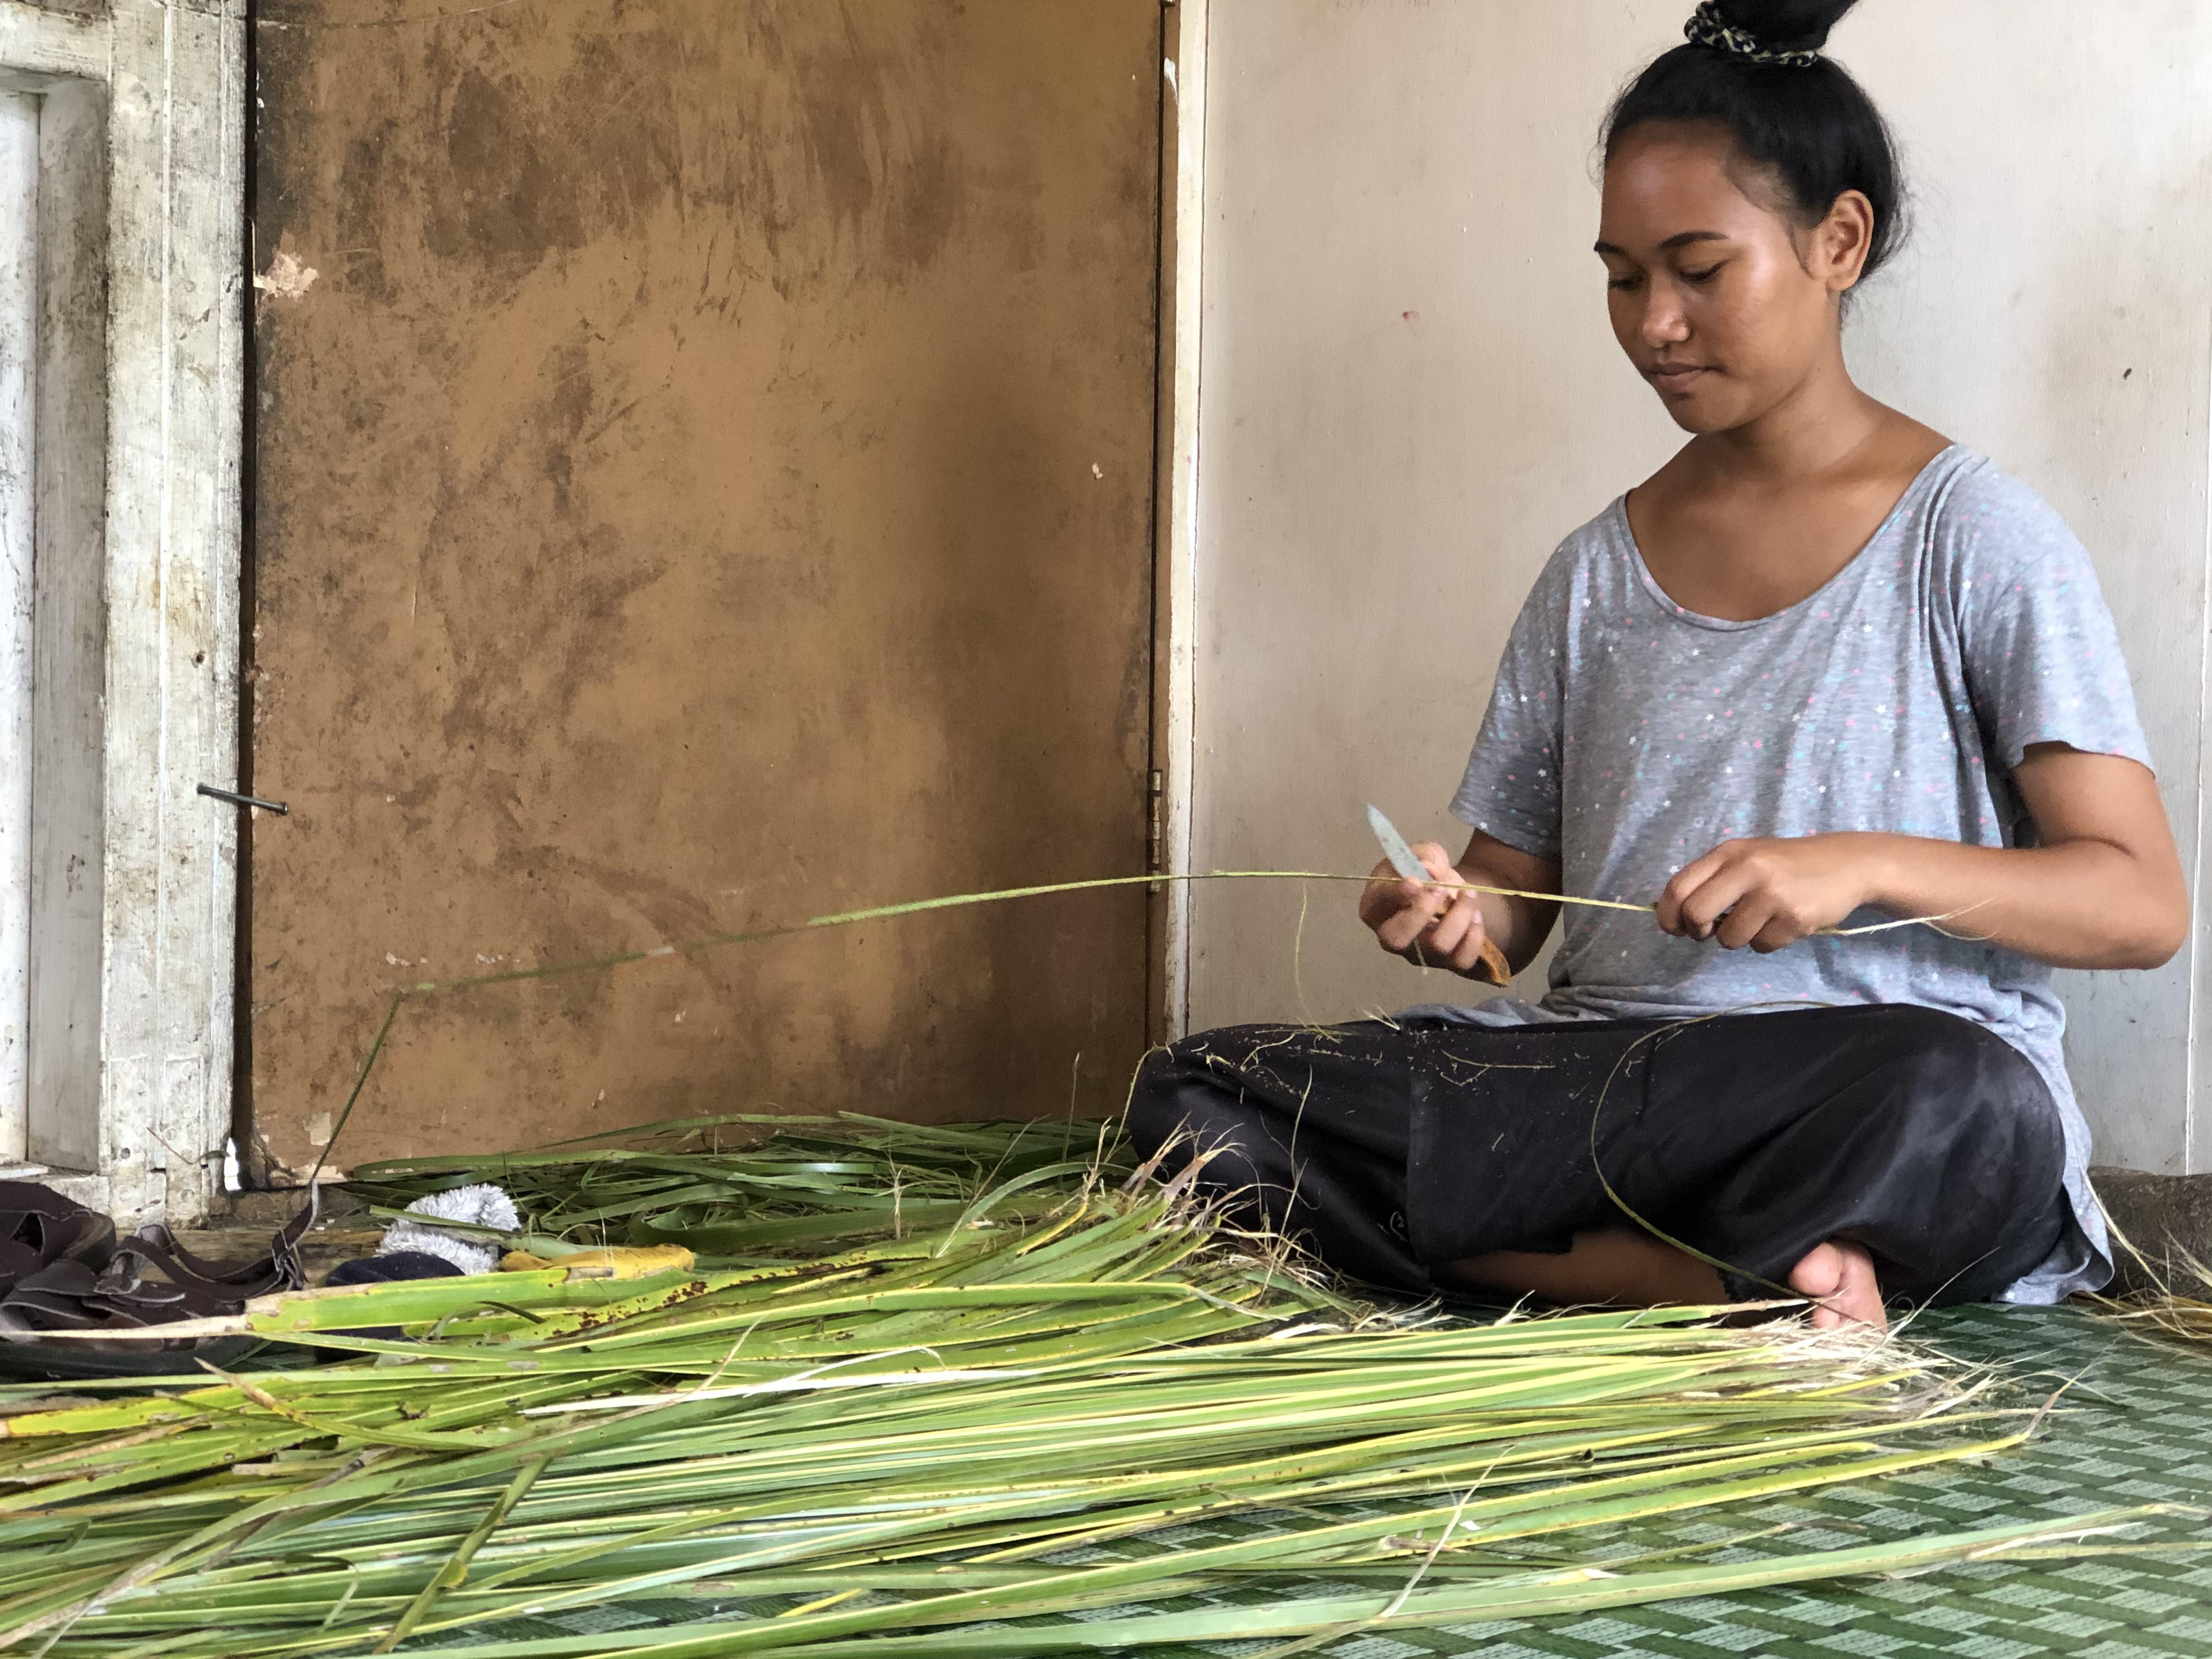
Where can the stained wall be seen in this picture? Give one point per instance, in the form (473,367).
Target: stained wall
(1409,395)
(706,484)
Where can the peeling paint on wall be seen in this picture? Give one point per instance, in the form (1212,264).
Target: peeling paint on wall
(287,278)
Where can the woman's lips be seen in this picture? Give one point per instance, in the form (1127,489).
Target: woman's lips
(1675,377)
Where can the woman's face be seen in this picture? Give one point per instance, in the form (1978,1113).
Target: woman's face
(1722,304)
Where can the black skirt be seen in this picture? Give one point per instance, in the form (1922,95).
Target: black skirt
(1391,1148)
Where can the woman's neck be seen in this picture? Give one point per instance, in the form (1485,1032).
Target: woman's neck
(1745,523)
(1822,426)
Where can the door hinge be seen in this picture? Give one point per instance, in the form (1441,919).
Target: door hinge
(1152,840)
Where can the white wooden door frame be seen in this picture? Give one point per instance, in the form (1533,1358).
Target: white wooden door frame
(19,337)
(139,405)
(1175,557)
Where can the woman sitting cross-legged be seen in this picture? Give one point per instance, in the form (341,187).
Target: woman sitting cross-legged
(1824,669)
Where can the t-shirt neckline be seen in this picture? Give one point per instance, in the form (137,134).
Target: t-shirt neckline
(1731,625)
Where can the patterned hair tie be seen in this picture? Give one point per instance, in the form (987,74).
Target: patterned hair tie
(1707,27)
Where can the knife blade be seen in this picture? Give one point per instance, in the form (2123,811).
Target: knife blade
(1495,970)
(1395,847)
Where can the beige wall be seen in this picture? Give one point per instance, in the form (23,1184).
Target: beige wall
(1408,395)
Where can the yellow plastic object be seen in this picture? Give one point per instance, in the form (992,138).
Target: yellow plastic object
(615,1261)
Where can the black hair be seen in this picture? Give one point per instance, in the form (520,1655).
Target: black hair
(1751,68)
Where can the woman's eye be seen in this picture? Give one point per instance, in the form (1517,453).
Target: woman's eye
(1706,274)
(1620,284)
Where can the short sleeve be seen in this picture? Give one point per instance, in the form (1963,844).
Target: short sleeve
(2042,658)
(1511,786)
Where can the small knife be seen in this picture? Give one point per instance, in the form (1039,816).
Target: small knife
(1395,847)
(1495,970)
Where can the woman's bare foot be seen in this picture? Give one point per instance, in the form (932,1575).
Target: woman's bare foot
(1609,1268)
(1839,1280)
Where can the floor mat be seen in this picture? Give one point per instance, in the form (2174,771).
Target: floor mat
(2135,1428)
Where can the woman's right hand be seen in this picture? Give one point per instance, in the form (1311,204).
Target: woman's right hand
(1434,926)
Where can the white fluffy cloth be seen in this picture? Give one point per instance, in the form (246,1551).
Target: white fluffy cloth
(482,1206)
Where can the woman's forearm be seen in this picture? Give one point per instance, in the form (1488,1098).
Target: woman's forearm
(2104,890)
(1519,927)
(2081,903)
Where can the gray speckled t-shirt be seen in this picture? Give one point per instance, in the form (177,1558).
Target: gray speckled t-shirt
(1627,736)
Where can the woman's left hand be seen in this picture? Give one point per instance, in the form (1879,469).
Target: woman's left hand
(1769,892)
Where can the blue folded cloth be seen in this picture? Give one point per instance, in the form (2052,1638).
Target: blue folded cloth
(383,1269)
(400,1264)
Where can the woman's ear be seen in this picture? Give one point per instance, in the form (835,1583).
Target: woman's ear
(1841,241)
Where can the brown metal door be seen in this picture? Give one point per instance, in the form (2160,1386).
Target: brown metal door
(707,483)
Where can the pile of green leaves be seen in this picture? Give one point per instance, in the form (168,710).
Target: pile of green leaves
(964,1440)
(750,1186)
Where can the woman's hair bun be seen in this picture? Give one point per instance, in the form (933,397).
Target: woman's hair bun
(1753,69)
(1784,24)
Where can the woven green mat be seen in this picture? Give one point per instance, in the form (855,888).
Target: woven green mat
(2135,1428)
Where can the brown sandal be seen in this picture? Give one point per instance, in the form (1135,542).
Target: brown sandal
(39,1227)
(147,1278)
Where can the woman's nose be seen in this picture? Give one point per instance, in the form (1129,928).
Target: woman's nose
(1663,322)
